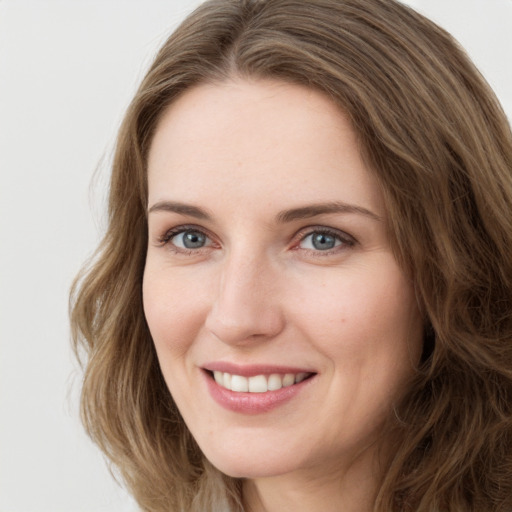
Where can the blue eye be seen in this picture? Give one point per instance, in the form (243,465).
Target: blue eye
(321,241)
(190,239)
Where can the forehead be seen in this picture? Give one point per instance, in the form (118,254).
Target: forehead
(228,107)
(251,138)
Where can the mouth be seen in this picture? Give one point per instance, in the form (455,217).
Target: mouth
(255,389)
(261,383)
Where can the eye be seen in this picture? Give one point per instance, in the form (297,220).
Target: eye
(324,240)
(188,239)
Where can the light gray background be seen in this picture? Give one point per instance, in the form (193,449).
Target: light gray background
(67,71)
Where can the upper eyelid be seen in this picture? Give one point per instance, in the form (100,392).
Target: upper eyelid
(187,227)
(309,230)
(172,232)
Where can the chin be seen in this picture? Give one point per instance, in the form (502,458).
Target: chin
(249,470)
(249,465)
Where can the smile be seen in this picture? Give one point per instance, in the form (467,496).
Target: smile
(258,383)
(255,389)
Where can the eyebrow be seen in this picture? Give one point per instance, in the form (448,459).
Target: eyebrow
(283,217)
(313,210)
(181,208)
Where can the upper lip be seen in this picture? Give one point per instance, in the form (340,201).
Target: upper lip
(251,370)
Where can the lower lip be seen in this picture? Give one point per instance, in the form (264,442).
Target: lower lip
(253,403)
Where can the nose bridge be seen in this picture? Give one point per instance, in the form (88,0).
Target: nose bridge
(244,307)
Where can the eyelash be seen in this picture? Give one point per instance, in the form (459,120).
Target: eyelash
(169,235)
(346,240)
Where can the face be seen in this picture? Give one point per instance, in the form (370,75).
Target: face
(284,327)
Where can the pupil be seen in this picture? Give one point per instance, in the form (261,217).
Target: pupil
(322,241)
(193,240)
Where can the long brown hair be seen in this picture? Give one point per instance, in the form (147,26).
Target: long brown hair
(436,138)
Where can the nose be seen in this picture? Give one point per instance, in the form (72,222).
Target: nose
(245,308)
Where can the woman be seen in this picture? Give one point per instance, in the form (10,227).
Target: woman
(303,298)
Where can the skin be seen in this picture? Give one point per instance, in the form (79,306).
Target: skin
(260,292)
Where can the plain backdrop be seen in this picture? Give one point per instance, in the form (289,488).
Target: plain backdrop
(68,69)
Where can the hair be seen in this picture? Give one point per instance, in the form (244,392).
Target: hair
(434,135)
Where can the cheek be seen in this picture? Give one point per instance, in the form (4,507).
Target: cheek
(174,310)
(364,319)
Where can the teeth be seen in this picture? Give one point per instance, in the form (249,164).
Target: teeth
(239,383)
(258,383)
(288,380)
(300,377)
(274,382)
